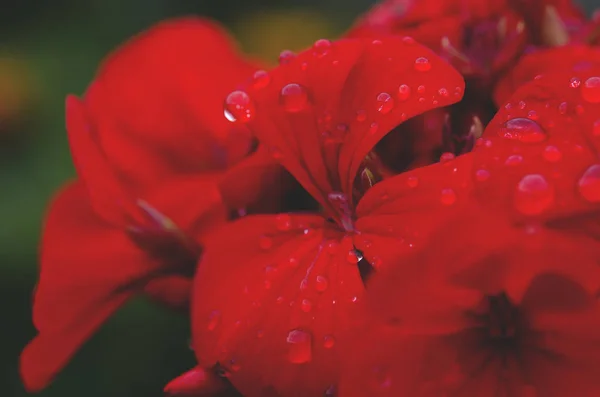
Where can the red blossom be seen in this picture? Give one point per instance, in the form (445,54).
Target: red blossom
(270,311)
(152,149)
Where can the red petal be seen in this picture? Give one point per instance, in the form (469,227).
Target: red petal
(197,382)
(271,310)
(172,291)
(567,59)
(87,271)
(320,139)
(539,154)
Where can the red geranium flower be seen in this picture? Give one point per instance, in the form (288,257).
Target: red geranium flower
(150,145)
(273,293)
(506,302)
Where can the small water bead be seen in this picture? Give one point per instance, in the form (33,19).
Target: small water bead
(238,107)
(482,175)
(299,346)
(332,247)
(563,107)
(534,195)
(321,284)
(522,105)
(443,92)
(351,257)
(373,128)
(448,197)
(260,79)
(421,89)
(385,103)
(283,222)
(532,114)
(306,305)
(412,181)
(574,82)
(508,106)
(596,128)
(552,154)
(321,47)
(292,262)
(377,42)
(589,184)
(524,130)
(403,92)
(422,64)
(265,242)
(214,319)
(514,159)
(286,57)
(447,157)
(591,90)
(328,341)
(293,97)
(408,40)
(361,115)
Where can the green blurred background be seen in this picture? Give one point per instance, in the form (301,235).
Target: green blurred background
(47,50)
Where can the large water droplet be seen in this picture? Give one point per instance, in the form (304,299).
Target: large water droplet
(238,107)
(385,103)
(293,97)
(522,129)
(214,319)
(300,346)
(321,47)
(533,195)
(591,90)
(260,79)
(589,184)
(422,64)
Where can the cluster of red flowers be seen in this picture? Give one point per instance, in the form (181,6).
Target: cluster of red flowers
(355,221)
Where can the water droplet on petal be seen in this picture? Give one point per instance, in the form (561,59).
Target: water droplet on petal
(408,40)
(293,97)
(448,197)
(403,92)
(265,242)
(422,64)
(238,107)
(283,222)
(260,79)
(421,90)
(351,257)
(562,108)
(321,47)
(522,129)
(446,157)
(300,346)
(214,319)
(596,128)
(482,175)
(589,184)
(328,341)
(532,114)
(591,90)
(574,82)
(373,128)
(443,92)
(514,159)
(332,247)
(534,195)
(286,56)
(321,283)
(412,181)
(385,103)
(361,115)
(306,305)
(552,154)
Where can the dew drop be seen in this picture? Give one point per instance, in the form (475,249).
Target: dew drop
(532,114)
(408,40)
(328,341)
(403,92)
(351,257)
(522,129)
(214,319)
(482,175)
(574,82)
(300,346)
(265,242)
(283,222)
(533,195)
(448,197)
(589,184)
(443,92)
(293,97)
(286,57)
(552,154)
(321,47)
(385,103)
(591,90)
(412,181)
(306,305)
(238,107)
(446,157)
(421,89)
(260,79)
(332,247)
(422,64)
(513,160)
(562,108)
(321,284)
(373,128)
(361,115)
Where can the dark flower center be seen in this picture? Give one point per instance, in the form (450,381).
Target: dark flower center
(502,319)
